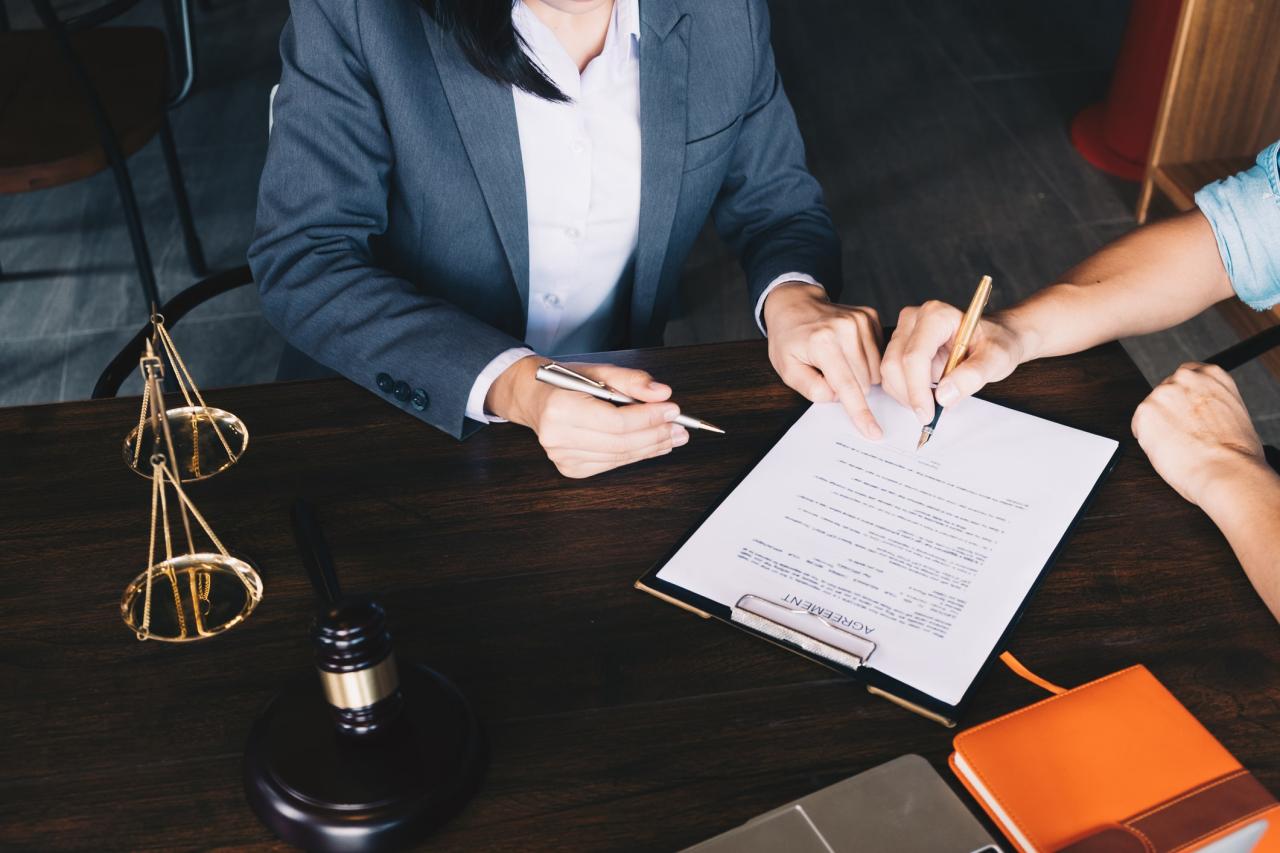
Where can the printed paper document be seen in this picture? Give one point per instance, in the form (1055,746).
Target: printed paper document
(928,554)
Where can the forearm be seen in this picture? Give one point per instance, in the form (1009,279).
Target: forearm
(1245,504)
(1148,280)
(341,310)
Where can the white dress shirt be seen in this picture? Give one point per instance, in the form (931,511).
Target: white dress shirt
(582,187)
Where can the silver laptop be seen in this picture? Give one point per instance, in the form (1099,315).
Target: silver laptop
(903,806)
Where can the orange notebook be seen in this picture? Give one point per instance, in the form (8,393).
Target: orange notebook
(1117,764)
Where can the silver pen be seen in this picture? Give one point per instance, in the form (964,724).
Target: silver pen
(562,377)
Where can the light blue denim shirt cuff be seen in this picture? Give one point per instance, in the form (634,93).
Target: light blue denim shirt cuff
(1244,211)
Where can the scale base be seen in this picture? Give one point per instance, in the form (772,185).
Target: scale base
(322,790)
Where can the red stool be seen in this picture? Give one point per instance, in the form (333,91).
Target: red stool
(1115,134)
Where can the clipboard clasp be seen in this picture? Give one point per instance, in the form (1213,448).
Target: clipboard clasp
(804,629)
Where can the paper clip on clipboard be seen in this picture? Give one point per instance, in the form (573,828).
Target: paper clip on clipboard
(803,629)
(800,630)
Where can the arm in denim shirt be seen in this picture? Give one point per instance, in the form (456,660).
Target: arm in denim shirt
(1244,211)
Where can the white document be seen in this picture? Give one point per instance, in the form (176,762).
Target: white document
(927,554)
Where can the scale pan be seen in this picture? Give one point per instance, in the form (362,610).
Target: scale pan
(193,597)
(197,449)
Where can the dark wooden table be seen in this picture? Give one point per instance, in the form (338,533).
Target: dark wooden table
(616,721)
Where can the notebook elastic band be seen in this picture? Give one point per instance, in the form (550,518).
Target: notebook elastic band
(1018,669)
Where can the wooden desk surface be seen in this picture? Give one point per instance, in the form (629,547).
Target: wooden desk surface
(616,721)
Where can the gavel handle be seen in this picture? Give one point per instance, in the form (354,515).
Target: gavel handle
(316,557)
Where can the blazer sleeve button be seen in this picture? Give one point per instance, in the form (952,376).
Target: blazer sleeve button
(385,383)
(420,399)
(402,392)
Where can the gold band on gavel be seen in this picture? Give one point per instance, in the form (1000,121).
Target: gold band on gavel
(362,688)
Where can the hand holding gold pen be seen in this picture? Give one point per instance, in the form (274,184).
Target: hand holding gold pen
(570,380)
(964,335)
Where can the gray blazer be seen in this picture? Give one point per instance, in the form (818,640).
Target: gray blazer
(392,241)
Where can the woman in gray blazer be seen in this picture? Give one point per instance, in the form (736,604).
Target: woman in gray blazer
(456,189)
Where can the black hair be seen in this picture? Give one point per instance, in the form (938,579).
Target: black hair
(489,39)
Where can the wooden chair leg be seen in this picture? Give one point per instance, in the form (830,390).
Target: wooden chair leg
(195,252)
(1144,199)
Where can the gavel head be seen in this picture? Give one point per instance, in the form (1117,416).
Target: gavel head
(357,666)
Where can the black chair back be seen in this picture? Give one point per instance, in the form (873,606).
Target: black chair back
(126,361)
(177,19)
(1247,350)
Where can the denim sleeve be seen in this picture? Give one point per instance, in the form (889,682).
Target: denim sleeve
(1244,211)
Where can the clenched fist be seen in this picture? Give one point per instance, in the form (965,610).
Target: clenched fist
(1196,431)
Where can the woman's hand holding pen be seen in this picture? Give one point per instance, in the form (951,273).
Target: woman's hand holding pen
(916,355)
(825,351)
(581,435)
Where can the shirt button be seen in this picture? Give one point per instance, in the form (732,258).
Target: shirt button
(419,400)
(578,146)
(402,392)
(385,383)
(551,300)
(572,233)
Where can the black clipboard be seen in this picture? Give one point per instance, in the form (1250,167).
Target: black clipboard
(817,648)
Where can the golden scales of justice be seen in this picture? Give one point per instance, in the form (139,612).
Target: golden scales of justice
(195,594)
(204,441)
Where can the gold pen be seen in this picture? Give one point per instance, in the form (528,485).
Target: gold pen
(570,380)
(968,325)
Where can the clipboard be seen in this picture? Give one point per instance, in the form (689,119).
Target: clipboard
(815,638)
